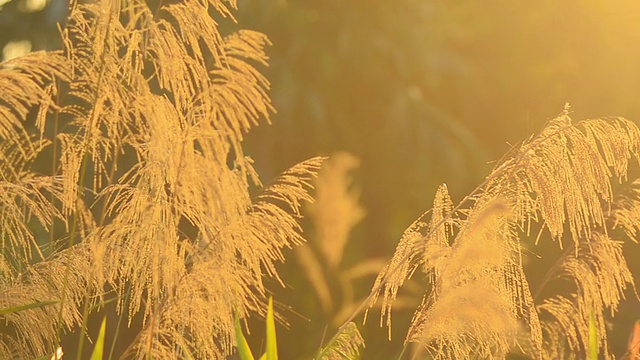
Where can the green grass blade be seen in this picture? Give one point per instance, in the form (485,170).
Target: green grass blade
(34,305)
(99,348)
(593,338)
(272,346)
(244,352)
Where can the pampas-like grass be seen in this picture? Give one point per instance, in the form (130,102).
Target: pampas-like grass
(142,116)
(144,112)
(479,303)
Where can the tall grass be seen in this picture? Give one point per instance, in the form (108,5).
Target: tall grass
(147,202)
(479,302)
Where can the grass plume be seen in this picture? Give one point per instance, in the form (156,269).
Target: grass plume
(149,201)
(479,299)
(145,111)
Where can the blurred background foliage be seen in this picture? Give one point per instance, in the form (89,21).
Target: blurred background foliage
(419,92)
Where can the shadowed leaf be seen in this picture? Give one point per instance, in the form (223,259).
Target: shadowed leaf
(34,305)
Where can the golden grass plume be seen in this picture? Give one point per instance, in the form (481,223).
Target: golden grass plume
(479,300)
(142,115)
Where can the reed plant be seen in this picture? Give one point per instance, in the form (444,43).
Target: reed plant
(146,200)
(571,181)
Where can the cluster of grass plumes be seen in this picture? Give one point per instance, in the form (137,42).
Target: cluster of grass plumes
(147,204)
(142,116)
(479,302)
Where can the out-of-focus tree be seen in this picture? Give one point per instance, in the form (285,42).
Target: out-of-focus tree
(356,76)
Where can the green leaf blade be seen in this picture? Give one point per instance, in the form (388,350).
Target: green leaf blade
(272,346)
(593,338)
(98,350)
(244,352)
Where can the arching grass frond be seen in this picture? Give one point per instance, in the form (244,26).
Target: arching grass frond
(478,296)
(144,113)
(33,332)
(600,275)
(345,346)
